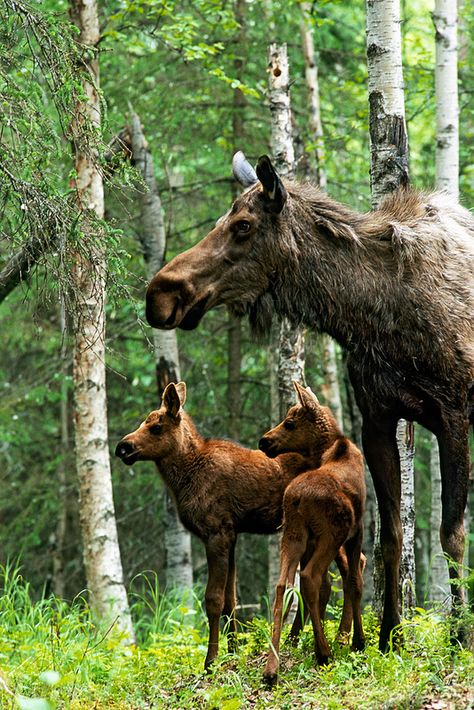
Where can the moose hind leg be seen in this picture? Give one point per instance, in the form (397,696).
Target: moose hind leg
(454,462)
(381,453)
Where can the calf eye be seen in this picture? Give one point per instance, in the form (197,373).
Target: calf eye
(289,425)
(155,429)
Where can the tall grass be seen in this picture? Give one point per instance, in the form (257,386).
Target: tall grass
(53,655)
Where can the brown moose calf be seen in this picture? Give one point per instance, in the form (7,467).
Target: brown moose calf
(220,489)
(322,511)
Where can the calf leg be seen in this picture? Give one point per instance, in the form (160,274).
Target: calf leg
(302,612)
(354,587)
(230,602)
(345,625)
(217,552)
(381,453)
(293,546)
(311,580)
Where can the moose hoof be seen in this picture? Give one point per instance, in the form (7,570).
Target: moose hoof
(322,660)
(358,645)
(270,678)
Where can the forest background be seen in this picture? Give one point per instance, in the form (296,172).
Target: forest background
(178,65)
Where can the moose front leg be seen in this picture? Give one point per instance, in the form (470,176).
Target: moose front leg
(217,552)
(381,453)
(230,602)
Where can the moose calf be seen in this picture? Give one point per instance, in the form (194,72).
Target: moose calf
(322,511)
(220,489)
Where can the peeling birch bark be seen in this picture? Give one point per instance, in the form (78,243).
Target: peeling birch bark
(179,570)
(97,515)
(291,340)
(388,171)
(447,104)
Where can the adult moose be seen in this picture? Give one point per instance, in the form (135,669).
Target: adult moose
(394,286)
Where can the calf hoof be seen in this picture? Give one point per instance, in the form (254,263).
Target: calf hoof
(270,678)
(343,638)
(391,638)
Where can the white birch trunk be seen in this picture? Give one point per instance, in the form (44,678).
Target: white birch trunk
(389,170)
(179,570)
(447,178)
(331,390)
(311,74)
(291,340)
(99,531)
(438,580)
(389,143)
(447,105)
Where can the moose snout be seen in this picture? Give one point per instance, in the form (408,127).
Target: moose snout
(126,451)
(266,445)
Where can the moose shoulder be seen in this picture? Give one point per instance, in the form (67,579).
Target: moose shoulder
(394,286)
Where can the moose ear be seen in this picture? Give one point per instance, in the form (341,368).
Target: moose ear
(181,390)
(273,188)
(243,171)
(306,396)
(171,400)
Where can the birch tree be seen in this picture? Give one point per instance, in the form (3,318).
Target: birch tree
(447,172)
(99,531)
(389,170)
(291,340)
(179,570)
(330,389)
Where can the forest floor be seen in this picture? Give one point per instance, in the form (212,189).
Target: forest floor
(52,656)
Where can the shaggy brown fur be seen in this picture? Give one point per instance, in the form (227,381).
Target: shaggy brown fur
(394,286)
(220,488)
(322,510)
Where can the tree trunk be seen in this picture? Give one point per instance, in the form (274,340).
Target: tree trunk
(234,358)
(99,531)
(438,587)
(179,571)
(447,105)
(447,178)
(291,340)
(59,582)
(311,74)
(389,170)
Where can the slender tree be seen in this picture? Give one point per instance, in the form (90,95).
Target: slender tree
(179,569)
(291,340)
(234,357)
(99,531)
(447,178)
(389,170)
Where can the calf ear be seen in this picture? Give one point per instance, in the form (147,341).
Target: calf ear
(273,188)
(181,390)
(171,400)
(306,396)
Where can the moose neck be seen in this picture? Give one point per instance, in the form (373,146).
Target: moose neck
(346,283)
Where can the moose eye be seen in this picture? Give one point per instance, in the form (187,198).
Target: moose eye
(155,429)
(289,425)
(242,228)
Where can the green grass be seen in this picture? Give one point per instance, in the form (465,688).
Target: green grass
(53,656)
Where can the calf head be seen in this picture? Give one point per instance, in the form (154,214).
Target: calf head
(160,433)
(308,427)
(234,264)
